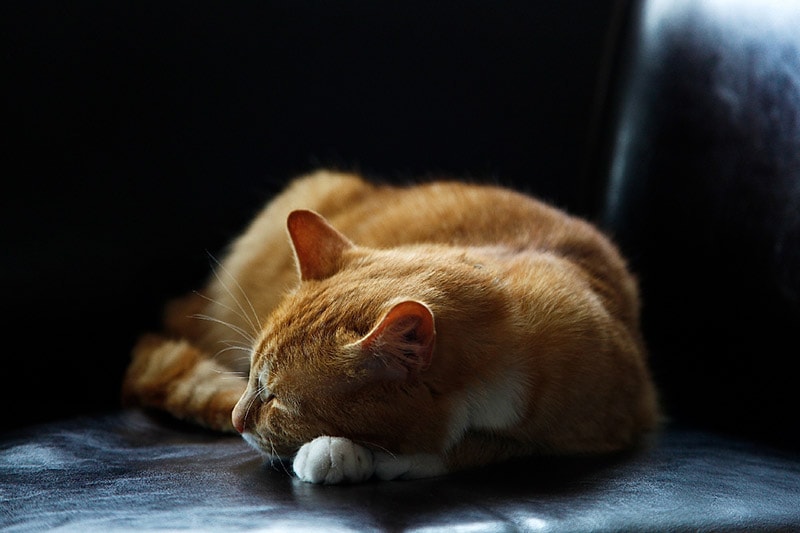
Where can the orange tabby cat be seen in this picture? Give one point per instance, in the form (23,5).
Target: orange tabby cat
(408,333)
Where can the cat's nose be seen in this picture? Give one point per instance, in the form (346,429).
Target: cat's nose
(238,416)
(238,422)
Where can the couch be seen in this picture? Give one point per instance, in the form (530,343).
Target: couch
(143,136)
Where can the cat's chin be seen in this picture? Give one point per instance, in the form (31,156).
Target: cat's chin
(253,441)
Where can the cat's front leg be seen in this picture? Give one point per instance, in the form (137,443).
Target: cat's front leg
(408,466)
(333,460)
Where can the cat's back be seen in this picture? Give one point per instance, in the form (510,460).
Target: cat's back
(260,263)
(472,215)
(439,211)
(453,213)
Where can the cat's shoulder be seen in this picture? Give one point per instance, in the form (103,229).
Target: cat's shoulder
(340,196)
(323,183)
(325,191)
(326,179)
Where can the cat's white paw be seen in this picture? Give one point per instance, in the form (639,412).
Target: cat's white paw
(332,460)
(413,466)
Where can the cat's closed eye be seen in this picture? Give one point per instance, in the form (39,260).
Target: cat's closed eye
(265,393)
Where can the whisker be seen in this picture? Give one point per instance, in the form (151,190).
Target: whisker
(368,444)
(234,327)
(277,458)
(252,319)
(231,374)
(227,308)
(239,348)
(256,397)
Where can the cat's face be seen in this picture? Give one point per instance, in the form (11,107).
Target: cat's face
(321,368)
(339,356)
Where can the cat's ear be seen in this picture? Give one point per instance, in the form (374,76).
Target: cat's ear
(402,342)
(318,246)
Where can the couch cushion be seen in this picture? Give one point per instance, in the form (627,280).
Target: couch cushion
(704,200)
(131,470)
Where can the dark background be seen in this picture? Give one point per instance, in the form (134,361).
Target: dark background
(141,136)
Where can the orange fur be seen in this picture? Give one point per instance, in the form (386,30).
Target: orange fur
(468,322)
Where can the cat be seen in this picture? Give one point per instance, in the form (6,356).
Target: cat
(374,331)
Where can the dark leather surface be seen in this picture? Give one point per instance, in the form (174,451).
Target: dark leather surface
(132,471)
(704,197)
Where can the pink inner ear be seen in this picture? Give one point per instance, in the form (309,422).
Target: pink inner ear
(404,338)
(318,246)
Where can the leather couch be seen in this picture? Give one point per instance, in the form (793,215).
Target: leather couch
(143,136)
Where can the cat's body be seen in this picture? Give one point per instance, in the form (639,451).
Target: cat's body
(466,325)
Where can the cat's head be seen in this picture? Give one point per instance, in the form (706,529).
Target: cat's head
(344,354)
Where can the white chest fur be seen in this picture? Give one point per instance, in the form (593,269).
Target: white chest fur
(496,404)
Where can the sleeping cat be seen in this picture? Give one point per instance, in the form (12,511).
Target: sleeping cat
(406,332)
